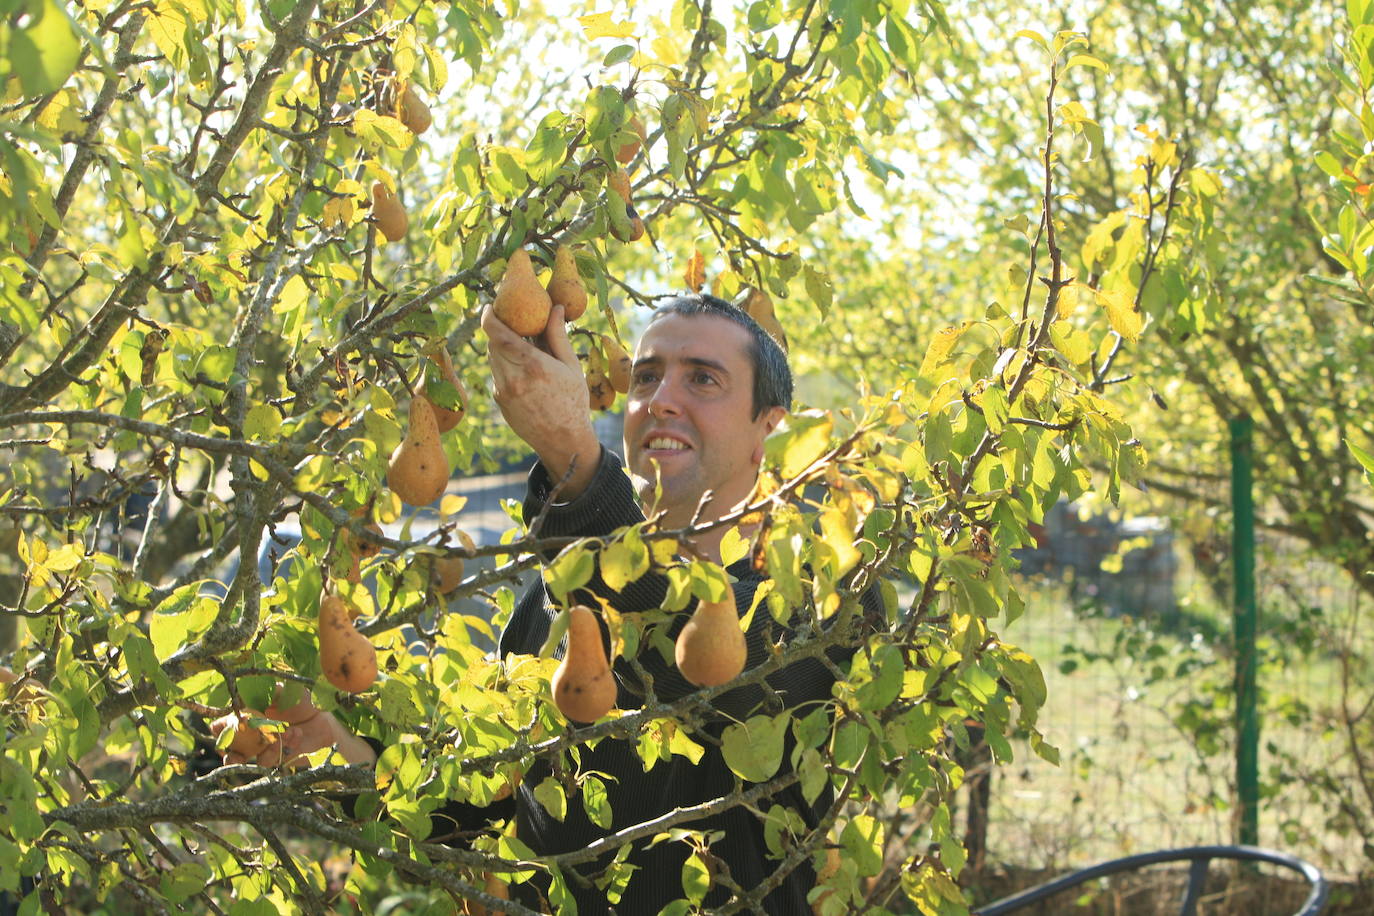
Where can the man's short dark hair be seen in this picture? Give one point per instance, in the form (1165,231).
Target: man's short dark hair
(772,375)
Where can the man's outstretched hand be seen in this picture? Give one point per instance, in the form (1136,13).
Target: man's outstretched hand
(542,393)
(307,729)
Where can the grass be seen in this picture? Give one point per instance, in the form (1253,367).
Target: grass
(1141,710)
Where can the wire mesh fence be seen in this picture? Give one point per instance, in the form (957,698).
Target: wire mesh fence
(1130,614)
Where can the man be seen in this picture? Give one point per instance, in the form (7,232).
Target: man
(708,385)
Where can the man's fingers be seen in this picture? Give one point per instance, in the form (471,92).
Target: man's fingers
(303,710)
(556,339)
(500,338)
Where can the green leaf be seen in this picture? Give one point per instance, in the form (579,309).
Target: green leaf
(377,131)
(571,569)
(624,561)
(185,880)
(618,55)
(806,438)
(44,53)
(862,840)
(131,250)
(596,803)
(1365,459)
(183,613)
(696,878)
(818,287)
(261,422)
(884,675)
(551,798)
(753,749)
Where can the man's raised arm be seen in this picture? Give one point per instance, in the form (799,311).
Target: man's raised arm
(543,396)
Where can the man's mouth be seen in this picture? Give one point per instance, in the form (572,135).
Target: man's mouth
(663,443)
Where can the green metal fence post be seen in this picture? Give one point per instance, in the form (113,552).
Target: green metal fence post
(1243,552)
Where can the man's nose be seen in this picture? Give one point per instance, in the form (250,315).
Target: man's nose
(666,401)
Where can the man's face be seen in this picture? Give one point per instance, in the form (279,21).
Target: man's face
(689,419)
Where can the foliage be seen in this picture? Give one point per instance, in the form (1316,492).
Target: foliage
(178,168)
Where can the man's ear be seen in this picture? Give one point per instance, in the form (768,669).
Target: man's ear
(771,418)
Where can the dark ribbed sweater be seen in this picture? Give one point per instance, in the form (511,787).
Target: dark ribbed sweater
(636,796)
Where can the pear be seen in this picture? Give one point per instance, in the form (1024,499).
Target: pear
(565,286)
(493,886)
(347,658)
(619,363)
(414,113)
(632,228)
(448,573)
(520,301)
(619,182)
(627,151)
(583,687)
(388,213)
(758,306)
(823,874)
(248,740)
(447,418)
(710,649)
(361,546)
(360,549)
(600,392)
(419,468)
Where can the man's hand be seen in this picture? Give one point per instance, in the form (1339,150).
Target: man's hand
(307,730)
(543,396)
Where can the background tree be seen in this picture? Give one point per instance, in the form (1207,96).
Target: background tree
(210,333)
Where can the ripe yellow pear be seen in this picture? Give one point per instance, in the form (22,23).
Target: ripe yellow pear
(600,392)
(388,213)
(583,686)
(448,573)
(419,468)
(759,306)
(248,740)
(632,230)
(493,886)
(619,363)
(446,418)
(627,151)
(619,182)
(565,285)
(347,657)
(413,112)
(520,301)
(710,649)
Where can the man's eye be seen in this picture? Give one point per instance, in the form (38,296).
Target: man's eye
(643,377)
(703,378)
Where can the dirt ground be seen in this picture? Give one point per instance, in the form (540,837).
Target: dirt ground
(1159,891)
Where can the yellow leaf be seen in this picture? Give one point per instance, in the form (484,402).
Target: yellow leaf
(1121,313)
(601,25)
(1085,60)
(939,349)
(694,278)
(667,51)
(1073,343)
(338,213)
(293,295)
(1068,299)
